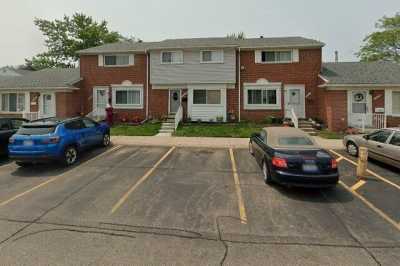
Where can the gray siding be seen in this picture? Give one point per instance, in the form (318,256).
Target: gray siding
(192,71)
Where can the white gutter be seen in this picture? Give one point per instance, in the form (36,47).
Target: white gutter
(327,85)
(147,85)
(239,84)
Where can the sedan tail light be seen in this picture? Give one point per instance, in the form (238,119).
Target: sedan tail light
(333,164)
(279,162)
(51,140)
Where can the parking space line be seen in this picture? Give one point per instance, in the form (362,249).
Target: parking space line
(368,171)
(339,159)
(140,181)
(242,209)
(371,206)
(54,178)
(358,185)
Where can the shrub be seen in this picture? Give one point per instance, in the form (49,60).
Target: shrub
(220,119)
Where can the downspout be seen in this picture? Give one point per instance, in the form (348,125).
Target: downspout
(147,85)
(239,85)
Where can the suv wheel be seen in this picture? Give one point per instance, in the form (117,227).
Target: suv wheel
(352,148)
(106,140)
(70,155)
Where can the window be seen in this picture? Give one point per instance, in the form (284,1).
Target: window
(13,102)
(36,130)
(396,102)
(380,136)
(4,125)
(128,97)
(89,123)
(261,96)
(16,123)
(116,60)
(263,136)
(276,56)
(296,141)
(175,57)
(206,97)
(395,139)
(215,56)
(74,125)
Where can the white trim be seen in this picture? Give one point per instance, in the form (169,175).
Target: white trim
(147,83)
(27,103)
(257,86)
(323,78)
(131,60)
(389,102)
(135,87)
(349,86)
(41,89)
(171,63)
(221,51)
(169,97)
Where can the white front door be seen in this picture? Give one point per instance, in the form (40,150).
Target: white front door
(100,98)
(359,108)
(47,105)
(174,100)
(295,99)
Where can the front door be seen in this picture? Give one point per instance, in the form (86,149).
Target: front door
(47,105)
(294,99)
(100,98)
(174,100)
(359,109)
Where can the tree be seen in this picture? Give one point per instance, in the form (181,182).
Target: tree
(238,36)
(65,37)
(384,44)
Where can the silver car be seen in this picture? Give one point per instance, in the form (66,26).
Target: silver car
(383,145)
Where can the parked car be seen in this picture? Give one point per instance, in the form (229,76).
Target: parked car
(8,127)
(55,139)
(383,145)
(290,156)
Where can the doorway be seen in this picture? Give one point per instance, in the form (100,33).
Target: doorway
(295,99)
(174,100)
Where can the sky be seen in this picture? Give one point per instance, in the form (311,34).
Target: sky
(341,24)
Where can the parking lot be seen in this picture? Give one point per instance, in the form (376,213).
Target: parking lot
(175,205)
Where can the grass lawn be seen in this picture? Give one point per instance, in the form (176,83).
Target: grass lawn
(147,129)
(330,135)
(233,130)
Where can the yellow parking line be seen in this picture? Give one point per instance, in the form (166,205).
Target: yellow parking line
(339,159)
(369,171)
(52,179)
(242,209)
(371,206)
(141,180)
(358,185)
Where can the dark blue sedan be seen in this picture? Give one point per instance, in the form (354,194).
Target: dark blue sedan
(55,139)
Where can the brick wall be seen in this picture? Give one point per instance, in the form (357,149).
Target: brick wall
(159,103)
(393,121)
(335,105)
(304,72)
(94,75)
(68,104)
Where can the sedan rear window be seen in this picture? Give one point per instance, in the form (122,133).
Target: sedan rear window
(295,141)
(36,130)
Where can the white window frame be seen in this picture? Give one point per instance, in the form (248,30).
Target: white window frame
(26,102)
(208,104)
(116,88)
(220,51)
(275,87)
(172,62)
(389,102)
(131,60)
(294,56)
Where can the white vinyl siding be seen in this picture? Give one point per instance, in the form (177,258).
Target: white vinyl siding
(396,103)
(116,60)
(262,97)
(211,56)
(127,97)
(392,102)
(13,102)
(206,104)
(171,57)
(276,56)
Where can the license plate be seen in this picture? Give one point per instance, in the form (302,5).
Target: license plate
(28,143)
(310,168)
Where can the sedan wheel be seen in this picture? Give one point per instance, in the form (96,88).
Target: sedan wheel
(352,149)
(106,140)
(70,156)
(267,176)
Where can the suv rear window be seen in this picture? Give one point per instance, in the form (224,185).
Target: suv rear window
(36,130)
(295,141)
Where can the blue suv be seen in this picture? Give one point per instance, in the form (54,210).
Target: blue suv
(56,139)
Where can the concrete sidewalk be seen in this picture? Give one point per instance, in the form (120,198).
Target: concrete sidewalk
(204,142)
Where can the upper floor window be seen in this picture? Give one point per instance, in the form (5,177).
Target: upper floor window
(276,56)
(118,60)
(13,102)
(212,56)
(172,57)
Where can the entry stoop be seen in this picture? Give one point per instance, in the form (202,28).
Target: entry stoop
(167,127)
(307,126)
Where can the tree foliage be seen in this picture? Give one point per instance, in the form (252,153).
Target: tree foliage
(237,36)
(384,44)
(64,37)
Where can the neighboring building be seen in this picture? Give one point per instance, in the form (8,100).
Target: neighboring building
(218,79)
(44,93)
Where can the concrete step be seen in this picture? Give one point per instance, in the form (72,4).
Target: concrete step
(308,129)
(305,123)
(170,120)
(166,131)
(312,133)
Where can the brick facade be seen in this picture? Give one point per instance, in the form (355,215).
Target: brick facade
(67,104)
(333,109)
